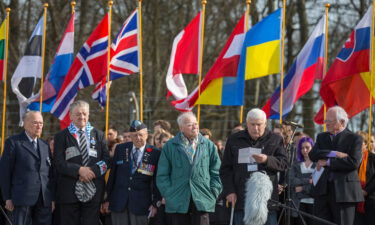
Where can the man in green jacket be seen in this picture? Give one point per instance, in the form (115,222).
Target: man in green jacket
(188,174)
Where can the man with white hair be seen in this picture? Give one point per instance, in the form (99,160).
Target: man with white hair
(235,170)
(188,174)
(338,151)
(81,161)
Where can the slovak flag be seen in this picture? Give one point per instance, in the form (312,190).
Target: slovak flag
(59,68)
(124,56)
(218,86)
(88,68)
(300,78)
(184,58)
(347,82)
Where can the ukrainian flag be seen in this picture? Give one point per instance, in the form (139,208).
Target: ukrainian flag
(260,54)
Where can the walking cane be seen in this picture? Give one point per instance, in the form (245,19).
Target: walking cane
(231,213)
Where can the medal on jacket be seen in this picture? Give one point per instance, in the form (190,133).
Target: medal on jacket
(146,169)
(127,155)
(92,142)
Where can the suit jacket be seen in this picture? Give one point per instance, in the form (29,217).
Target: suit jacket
(343,172)
(135,192)
(25,172)
(234,175)
(68,160)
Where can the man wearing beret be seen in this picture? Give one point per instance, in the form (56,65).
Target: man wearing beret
(131,188)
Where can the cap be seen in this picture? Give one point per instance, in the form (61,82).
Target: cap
(137,125)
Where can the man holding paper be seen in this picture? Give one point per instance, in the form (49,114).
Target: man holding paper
(338,151)
(249,150)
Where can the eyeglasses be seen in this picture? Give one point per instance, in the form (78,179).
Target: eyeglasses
(330,121)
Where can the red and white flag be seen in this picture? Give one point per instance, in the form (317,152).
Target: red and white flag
(184,58)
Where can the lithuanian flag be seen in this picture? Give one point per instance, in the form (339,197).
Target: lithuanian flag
(2,48)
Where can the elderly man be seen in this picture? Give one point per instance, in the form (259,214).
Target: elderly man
(271,158)
(81,160)
(338,151)
(131,189)
(188,174)
(25,172)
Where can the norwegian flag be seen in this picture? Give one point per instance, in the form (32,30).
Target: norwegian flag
(124,56)
(88,68)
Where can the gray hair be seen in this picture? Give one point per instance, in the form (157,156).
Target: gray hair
(256,114)
(341,114)
(28,113)
(79,103)
(181,118)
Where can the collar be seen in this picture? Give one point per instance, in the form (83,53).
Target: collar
(30,138)
(337,132)
(73,130)
(141,149)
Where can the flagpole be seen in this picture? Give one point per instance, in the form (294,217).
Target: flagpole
(282,62)
(204,2)
(248,2)
(45,5)
(110,3)
(5,78)
(140,61)
(325,61)
(371,71)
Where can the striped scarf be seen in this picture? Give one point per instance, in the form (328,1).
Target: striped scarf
(190,146)
(84,191)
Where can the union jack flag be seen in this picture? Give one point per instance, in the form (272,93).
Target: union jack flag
(88,68)
(124,55)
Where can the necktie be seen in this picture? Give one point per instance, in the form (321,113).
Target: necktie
(83,147)
(84,191)
(35,145)
(135,159)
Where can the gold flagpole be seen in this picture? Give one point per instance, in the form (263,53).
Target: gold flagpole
(204,2)
(110,3)
(325,61)
(45,5)
(5,78)
(282,61)
(140,61)
(371,71)
(73,4)
(248,2)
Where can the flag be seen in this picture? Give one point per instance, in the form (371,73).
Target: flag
(59,68)
(184,58)
(88,68)
(28,69)
(2,48)
(347,82)
(124,56)
(260,54)
(307,67)
(217,86)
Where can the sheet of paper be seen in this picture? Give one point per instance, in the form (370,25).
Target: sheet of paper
(316,175)
(245,154)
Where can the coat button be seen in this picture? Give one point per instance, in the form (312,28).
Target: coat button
(131,178)
(129,189)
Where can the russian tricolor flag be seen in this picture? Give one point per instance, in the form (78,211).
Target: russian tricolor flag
(307,67)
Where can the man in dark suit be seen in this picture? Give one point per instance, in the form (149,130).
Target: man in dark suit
(25,173)
(131,188)
(81,160)
(338,151)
